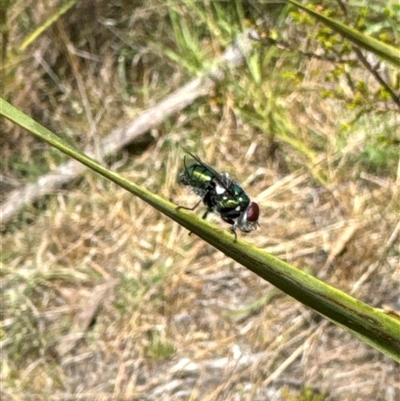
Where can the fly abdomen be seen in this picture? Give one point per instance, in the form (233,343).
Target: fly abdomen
(196,176)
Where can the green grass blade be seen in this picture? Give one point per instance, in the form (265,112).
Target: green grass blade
(387,52)
(50,21)
(371,325)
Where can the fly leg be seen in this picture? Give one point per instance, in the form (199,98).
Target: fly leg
(229,217)
(190,208)
(193,208)
(205,214)
(204,200)
(232,229)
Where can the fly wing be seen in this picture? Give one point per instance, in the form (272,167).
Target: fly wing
(220,179)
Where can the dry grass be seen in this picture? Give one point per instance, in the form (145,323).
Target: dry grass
(177,320)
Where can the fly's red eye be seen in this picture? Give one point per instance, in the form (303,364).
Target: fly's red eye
(253,212)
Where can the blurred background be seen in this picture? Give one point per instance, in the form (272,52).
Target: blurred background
(103,298)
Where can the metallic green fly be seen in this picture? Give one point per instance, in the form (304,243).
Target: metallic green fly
(221,195)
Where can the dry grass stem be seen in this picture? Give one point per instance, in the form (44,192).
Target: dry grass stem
(103,298)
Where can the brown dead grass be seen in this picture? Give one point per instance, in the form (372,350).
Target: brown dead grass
(181,321)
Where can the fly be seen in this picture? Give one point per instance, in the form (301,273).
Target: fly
(221,195)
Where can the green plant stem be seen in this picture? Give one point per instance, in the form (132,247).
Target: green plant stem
(371,325)
(389,53)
